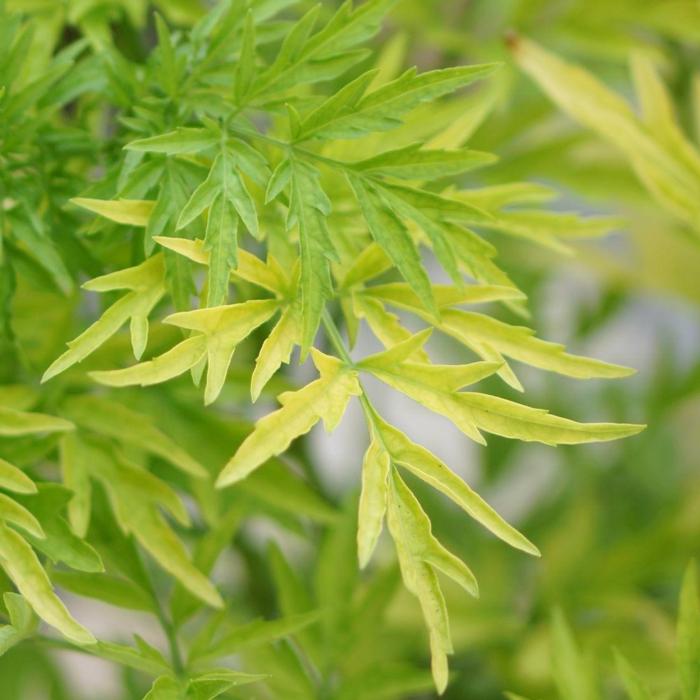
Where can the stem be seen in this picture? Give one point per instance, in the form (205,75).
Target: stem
(165,623)
(339,346)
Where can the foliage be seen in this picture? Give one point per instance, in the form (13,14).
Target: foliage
(260,186)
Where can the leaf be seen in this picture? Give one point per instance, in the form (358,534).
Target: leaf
(666,163)
(14,423)
(276,349)
(55,538)
(223,328)
(436,387)
(133,212)
(430,469)
(13,479)
(382,109)
(222,241)
(688,635)
(245,66)
(22,622)
(391,234)
(483,334)
(13,512)
(256,633)
(113,590)
(181,140)
(308,208)
(413,163)
(25,571)
(250,268)
(142,658)
(571,671)
(419,577)
(324,398)
(376,469)
(146,285)
(170,364)
(136,497)
(107,417)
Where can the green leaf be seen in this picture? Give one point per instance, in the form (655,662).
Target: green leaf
(112,419)
(308,209)
(571,670)
(136,497)
(383,108)
(324,398)
(256,633)
(412,162)
(245,66)
(221,240)
(181,140)
(22,622)
(113,590)
(55,538)
(391,234)
(13,512)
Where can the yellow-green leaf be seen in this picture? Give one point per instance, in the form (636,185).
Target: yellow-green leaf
(23,567)
(324,398)
(134,212)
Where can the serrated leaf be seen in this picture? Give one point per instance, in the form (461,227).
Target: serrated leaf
(413,163)
(391,234)
(430,469)
(383,108)
(436,387)
(181,140)
(308,208)
(223,328)
(136,496)
(421,580)
(115,420)
(324,398)
(221,240)
(276,349)
(146,285)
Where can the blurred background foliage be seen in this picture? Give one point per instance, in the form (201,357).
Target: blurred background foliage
(616,524)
